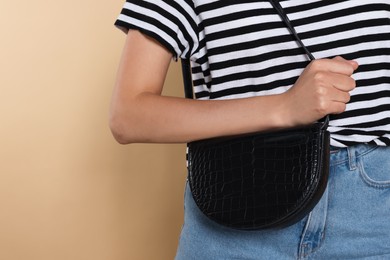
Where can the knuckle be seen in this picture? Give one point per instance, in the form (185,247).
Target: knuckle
(353,83)
(321,92)
(340,108)
(347,97)
(322,108)
(350,83)
(319,76)
(316,64)
(343,107)
(347,70)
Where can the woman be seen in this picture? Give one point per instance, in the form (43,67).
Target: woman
(250,75)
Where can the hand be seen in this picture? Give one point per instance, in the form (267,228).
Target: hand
(322,89)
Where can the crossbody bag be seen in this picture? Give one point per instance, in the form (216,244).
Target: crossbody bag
(259,180)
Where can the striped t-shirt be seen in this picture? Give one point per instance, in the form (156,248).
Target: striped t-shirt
(241,48)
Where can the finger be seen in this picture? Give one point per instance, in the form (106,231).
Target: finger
(342,82)
(335,65)
(338,107)
(353,63)
(339,96)
(341,66)
(335,80)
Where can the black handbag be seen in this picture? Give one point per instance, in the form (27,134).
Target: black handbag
(259,180)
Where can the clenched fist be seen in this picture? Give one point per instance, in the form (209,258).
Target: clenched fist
(323,88)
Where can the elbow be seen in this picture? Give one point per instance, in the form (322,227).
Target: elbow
(119,130)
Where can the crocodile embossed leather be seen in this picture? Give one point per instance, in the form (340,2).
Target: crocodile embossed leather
(259,181)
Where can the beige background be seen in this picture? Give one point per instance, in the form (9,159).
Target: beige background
(67,189)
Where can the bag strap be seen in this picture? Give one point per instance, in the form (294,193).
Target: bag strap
(287,22)
(186,67)
(187,78)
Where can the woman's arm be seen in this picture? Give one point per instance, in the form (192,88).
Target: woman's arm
(140,114)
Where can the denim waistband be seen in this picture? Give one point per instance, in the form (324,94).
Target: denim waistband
(349,154)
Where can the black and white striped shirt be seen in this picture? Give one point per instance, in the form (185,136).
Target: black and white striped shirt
(242,49)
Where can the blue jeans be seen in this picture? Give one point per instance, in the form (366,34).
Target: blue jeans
(351,221)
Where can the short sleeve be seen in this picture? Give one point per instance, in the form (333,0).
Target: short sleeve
(173,23)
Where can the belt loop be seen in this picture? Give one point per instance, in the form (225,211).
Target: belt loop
(352,158)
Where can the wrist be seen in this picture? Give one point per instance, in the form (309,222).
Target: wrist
(283,112)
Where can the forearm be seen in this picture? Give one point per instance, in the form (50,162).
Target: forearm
(150,118)
(140,114)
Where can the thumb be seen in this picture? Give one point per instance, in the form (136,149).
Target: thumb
(353,63)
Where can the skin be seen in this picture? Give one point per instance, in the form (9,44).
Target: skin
(140,114)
